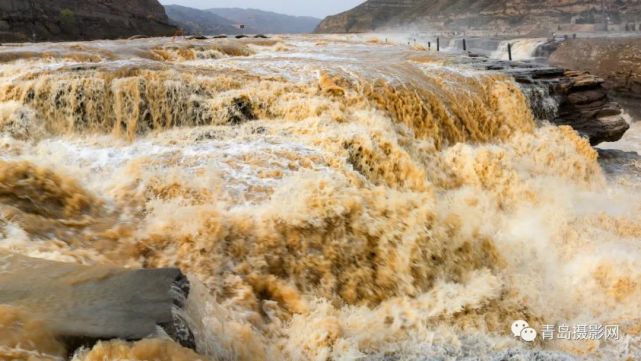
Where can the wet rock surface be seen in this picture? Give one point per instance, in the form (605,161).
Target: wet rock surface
(618,162)
(588,109)
(240,111)
(616,60)
(84,304)
(575,98)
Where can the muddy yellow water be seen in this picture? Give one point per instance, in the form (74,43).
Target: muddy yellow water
(334,198)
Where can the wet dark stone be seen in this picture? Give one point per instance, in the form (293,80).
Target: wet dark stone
(575,98)
(85,304)
(259,130)
(240,111)
(617,162)
(548,48)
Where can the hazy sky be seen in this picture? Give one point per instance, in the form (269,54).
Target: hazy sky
(316,8)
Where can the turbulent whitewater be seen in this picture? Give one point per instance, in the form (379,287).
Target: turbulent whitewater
(333,198)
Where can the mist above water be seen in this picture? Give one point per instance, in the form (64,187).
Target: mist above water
(334,198)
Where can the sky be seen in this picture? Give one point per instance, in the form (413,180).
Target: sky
(315,8)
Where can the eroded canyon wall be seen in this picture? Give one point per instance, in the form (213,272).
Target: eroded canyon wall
(503,16)
(29,20)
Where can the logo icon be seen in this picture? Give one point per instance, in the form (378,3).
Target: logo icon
(521,329)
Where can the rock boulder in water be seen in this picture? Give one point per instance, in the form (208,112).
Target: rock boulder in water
(240,111)
(83,304)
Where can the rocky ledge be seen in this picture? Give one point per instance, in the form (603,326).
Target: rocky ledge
(81,305)
(573,98)
(588,109)
(615,59)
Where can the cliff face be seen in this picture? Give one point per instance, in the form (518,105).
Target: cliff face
(367,17)
(26,20)
(496,16)
(616,60)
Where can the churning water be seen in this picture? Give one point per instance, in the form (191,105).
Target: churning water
(335,198)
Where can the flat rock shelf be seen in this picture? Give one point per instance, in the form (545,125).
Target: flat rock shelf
(84,304)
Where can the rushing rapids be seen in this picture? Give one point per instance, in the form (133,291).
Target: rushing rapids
(331,198)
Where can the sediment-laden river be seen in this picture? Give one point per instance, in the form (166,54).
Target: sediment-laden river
(334,198)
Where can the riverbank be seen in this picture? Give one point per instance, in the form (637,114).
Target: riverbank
(616,59)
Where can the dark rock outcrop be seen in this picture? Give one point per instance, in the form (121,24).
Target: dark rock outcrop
(494,16)
(548,48)
(82,304)
(588,109)
(40,20)
(573,98)
(616,60)
(240,111)
(617,162)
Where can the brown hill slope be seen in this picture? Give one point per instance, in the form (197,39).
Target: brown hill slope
(26,20)
(497,16)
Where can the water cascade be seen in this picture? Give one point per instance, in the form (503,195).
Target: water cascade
(332,199)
